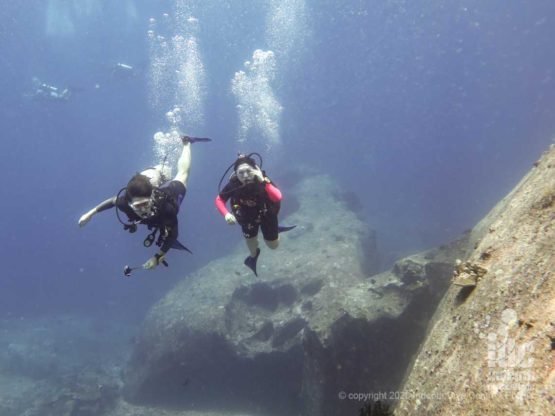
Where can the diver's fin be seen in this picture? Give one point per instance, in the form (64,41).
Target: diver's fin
(178,246)
(250,262)
(284,228)
(189,139)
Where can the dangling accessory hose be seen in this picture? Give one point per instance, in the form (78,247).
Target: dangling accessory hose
(150,238)
(128,269)
(127,226)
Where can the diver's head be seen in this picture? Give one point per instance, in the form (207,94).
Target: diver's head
(139,195)
(244,168)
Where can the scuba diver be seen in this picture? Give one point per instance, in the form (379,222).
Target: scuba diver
(151,200)
(44,91)
(123,71)
(255,202)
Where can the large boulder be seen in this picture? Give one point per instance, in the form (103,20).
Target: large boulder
(314,325)
(490,344)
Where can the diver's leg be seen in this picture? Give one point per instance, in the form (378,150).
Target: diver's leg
(250,261)
(270,230)
(250,232)
(273,244)
(184,164)
(252,244)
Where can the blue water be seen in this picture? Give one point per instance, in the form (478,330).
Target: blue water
(429,111)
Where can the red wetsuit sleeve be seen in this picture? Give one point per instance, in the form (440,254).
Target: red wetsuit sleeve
(273,193)
(220,204)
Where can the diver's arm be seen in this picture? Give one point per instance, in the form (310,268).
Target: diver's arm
(273,192)
(220,204)
(229,217)
(109,203)
(170,239)
(103,206)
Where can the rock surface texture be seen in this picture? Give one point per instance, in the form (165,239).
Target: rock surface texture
(490,346)
(312,326)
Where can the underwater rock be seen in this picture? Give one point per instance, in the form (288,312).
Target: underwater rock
(311,325)
(88,399)
(87,392)
(467,274)
(36,360)
(490,348)
(57,365)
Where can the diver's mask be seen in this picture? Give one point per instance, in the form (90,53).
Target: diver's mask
(245,173)
(142,206)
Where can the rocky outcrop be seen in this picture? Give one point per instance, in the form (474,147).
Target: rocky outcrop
(313,328)
(60,365)
(490,347)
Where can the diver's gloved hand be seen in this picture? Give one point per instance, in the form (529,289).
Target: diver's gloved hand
(85,218)
(154,261)
(230,218)
(258,175)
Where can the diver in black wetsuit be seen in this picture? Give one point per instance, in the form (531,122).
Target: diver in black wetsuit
(148,199)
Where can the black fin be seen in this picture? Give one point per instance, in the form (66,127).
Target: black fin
(250,262)
(283,229)
(189,139)
(178,246)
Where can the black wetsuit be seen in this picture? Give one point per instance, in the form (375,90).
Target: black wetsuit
(252,208)
(167,201)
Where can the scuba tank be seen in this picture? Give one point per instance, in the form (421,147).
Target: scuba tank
(157,175)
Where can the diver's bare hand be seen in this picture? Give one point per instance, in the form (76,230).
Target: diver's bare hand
(230,218)
(85,218)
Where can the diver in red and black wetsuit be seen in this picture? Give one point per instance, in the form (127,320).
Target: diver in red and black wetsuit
(255,202)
